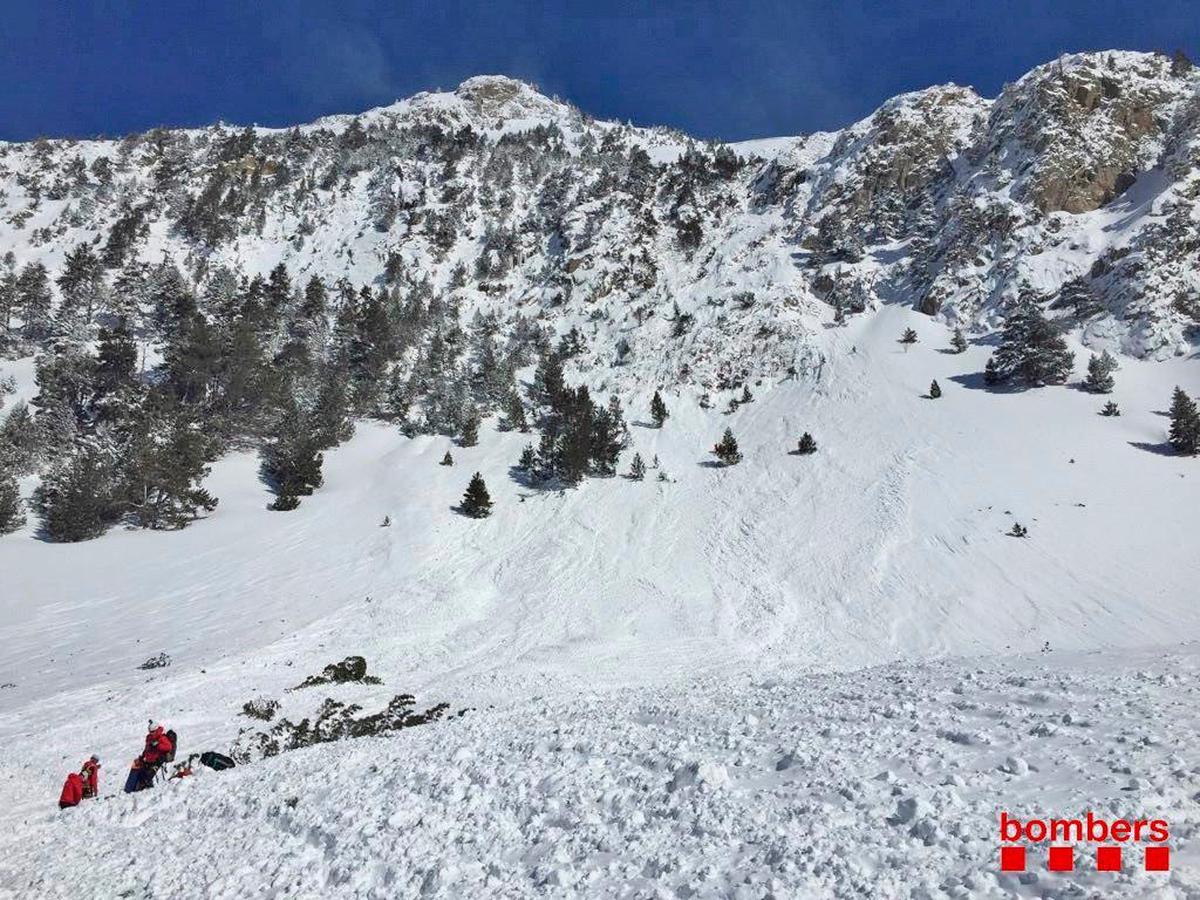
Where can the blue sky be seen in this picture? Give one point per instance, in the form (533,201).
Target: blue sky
(715,69)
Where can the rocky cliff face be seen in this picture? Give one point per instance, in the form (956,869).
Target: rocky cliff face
(678,260)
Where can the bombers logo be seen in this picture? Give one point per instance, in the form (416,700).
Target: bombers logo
(1108,835)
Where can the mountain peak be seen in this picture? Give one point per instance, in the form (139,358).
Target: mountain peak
(502,97)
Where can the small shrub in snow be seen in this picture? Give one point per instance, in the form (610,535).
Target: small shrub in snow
(334,721)
(261,708)
(156,662)
(1110,409)
(351,670)
(1018,530)
(637,469)
(935,390)
(908,338)
(806,445)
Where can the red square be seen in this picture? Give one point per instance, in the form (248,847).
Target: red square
(1062,859)
(1012,859)
(1108,859)
(1158,859)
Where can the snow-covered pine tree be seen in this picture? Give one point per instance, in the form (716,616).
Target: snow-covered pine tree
(476,502)
(958,341)
(658,410)
(447,460)
(726,449)
(34,299)
(637,468)
(12,515)
(806,444)
(935,390)
(81,285)
(1031,350)
(1110,409)
(746,397)
(1185,423)
(908,338)
(1100,378)
(20,440)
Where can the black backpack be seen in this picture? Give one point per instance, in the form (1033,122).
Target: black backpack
(170,757)
(216,761)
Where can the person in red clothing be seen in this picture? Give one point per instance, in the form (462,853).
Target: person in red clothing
(159,749)
(90,773)
(158,746)
(72,791)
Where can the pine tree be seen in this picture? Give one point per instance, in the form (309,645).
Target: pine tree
(637,469)
(476,502)
(547,456)
(164,465)
(606,441)
(514,414)
(34,299)
(78,499)
(528,459)
(447,460)
(549,385)
(806,444)
(116,359)
(469,436)
(82,285)
(617,415)
(1185,424)
(1018,530)
(958,341)
(909,337)
(658,410)
(292,458)
(1110,409)
(20,440)
(935,390)
(1031,350)
(1099,378)
(12,515)
(747,397)
(577,450)
(727,449)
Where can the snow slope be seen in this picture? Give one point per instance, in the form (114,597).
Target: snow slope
(884,783)
(637,612)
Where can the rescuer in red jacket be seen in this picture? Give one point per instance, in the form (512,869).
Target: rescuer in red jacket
(90,773)
(158,746)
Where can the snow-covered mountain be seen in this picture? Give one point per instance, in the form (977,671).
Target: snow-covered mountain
(1080,176)
(801,675)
